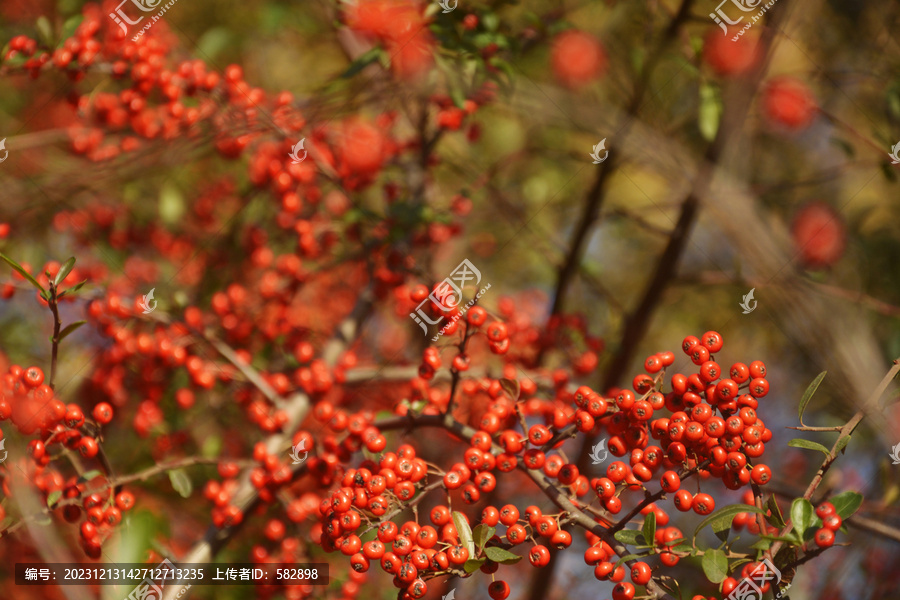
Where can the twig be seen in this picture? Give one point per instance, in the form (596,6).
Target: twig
(846,430)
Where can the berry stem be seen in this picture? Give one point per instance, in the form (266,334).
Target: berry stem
(54,351)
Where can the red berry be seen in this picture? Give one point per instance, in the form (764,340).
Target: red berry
(577,58)
(819,235)
(824,510)
(498,590)
(824,538)
(789,102)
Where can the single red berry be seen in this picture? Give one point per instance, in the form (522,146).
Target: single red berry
(824,510)
(670,481)
(103,413)
(640,573)
(498,590)
(824,538)
(832,522)
(623,591)
(703,504)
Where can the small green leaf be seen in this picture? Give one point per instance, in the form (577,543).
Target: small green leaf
(726,514)
(808,394)
(473,564)
(362,62)
(715,565)
(74,289)
(22,272)
(710,111)
(846,503)
(45,31)
(64,271)
(802,515)
(70,328)
(502,556)
(776,518)
(649,528)
(842,443)
(482,533)
(631,537)
(69,27)
(511,387)
(85,477)
(801,443)
(626,557)
(464,531)
(763,544)
(53,498)
(683,548)
(181,483)
(458,97)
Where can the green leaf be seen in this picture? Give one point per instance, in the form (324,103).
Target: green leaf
(74,289)
(842,443)
(70,328)
(69,27)
(808,394)
(53,498)
(64,271)
(846,503)
(763,544)
(631,537)
(45,31)
(776,518)
(482,533)
(683,548)
(22,272)
(511,387)
(85,477)
(801,443)
(710,111)
(458,97)
(171,203)
(473,564)
(649,528)
(726,515)
(362,62)
(181,483)
(802,515)
(502,556)
(626,557)
(715,565)
(464,531)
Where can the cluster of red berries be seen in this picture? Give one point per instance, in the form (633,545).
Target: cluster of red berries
(831,523)
(32,407)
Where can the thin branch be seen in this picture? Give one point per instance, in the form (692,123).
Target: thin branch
(117,481)
(846,430)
